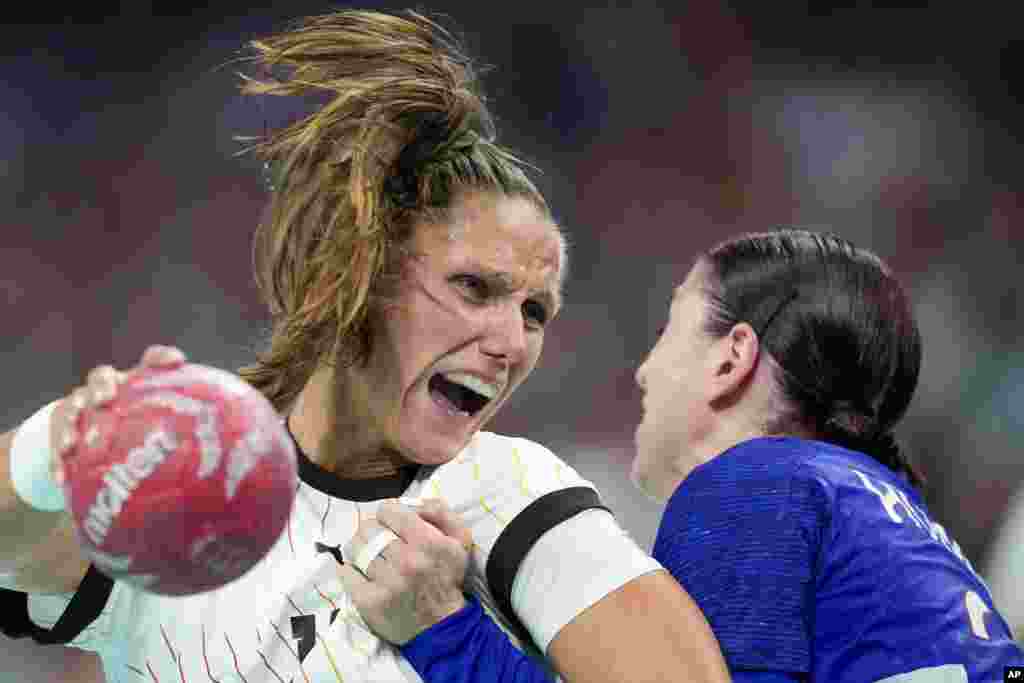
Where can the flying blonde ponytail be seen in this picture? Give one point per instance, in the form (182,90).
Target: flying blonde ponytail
(404,128)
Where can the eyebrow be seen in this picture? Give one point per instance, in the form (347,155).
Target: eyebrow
(503,283)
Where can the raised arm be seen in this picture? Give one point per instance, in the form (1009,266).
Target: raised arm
(38,549)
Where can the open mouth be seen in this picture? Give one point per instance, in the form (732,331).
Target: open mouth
(456,397)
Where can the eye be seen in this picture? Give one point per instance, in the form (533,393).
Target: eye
(475,288)
(536,312)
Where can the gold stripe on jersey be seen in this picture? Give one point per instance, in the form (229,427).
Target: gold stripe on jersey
(330,659)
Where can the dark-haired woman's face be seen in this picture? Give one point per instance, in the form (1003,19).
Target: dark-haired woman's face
(675,409)
(465,328)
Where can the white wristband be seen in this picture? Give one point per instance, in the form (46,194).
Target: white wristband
(30,463)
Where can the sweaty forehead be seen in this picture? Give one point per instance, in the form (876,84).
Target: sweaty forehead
(508,235)
(694,282)
(689,294)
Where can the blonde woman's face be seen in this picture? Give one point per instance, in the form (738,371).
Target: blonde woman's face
(465,328)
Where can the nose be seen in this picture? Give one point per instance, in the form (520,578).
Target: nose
(504,336)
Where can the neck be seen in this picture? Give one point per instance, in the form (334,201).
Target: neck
(339,441)
(722,439)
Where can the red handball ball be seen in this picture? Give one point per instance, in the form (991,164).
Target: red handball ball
(183,482)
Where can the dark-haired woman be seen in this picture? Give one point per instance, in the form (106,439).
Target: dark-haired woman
(793,518)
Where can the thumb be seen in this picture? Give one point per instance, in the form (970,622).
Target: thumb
(436,512)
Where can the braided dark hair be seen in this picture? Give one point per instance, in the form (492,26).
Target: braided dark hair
(851,427)
(839,327)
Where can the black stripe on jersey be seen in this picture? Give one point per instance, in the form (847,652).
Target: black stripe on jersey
(85,606)
(518,537)
(359,490)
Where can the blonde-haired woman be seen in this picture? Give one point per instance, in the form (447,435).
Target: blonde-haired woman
(411,268)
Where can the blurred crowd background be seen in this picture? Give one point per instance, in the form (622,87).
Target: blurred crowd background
(661,128)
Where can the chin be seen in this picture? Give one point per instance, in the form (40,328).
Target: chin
(639,475)
(656,485)
(648,485)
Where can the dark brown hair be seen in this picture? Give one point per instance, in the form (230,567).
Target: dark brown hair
(839,327)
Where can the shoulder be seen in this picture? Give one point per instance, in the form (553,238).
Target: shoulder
(494,463)
(496,479)
(512,493)
(795,464)
(743,534)
(502,450)
(763,472)
(859,487)
(763,499)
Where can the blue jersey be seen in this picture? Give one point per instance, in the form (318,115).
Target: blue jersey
(812,559)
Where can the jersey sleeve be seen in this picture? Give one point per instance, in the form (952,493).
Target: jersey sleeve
(744,538)
(467,647)
(513,494)
(570,568)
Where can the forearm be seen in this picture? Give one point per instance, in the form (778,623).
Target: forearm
(649,631)
(468,647)
(22,527)
(38,549)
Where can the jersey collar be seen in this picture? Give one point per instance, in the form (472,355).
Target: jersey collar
(360,490)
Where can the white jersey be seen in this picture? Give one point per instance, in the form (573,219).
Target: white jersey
(289,620)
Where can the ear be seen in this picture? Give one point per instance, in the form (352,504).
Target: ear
(734,359)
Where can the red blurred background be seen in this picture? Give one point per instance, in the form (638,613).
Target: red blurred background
(662,128)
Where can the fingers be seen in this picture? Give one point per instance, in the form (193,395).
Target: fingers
(62,430)
(373,549)
(101,387)
(430,529)
(436,512)
(102,383)
(404,541)
(369,548)
(400,519)
(371,599)
(360,589)
(410,522)
(160,356)
(78,401)
(413,573)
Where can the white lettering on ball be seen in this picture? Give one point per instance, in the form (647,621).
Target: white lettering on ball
(243,457)
(206,426)
(121,480)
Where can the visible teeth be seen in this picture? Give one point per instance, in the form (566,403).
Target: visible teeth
(486,389)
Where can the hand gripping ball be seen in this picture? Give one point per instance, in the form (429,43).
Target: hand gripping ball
(183,482)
